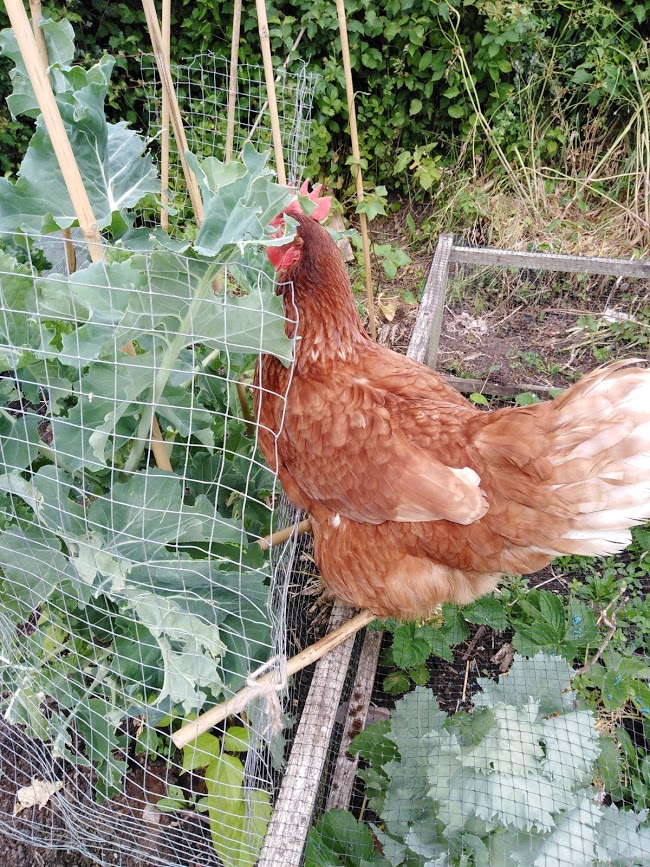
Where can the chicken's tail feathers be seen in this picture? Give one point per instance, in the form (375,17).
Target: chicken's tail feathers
(600,434)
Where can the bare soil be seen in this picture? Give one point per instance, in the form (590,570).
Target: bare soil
(520,329)
(109,833)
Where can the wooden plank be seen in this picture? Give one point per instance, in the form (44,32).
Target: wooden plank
(423,346)
(469,386)
(426,333)
(293,811)
(551,261)
(345,767)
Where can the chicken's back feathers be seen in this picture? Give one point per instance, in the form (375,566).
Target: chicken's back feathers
(415,496)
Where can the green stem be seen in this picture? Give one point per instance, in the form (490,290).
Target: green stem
(166,367)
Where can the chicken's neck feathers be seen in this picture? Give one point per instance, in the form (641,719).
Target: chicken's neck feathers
(329,331)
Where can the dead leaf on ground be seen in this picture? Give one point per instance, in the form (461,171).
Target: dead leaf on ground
(388,308)
(35,795)
(504,657)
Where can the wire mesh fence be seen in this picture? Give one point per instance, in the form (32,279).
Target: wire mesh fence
(202,91)
(133,596)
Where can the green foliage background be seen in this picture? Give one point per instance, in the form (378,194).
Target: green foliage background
(539,73)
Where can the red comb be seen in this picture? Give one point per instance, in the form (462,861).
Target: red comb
(322,204)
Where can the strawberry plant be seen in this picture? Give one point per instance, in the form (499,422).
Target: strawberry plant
(128,591)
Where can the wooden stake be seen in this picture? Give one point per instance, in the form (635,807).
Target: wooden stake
(215,715)
(164,117)
(265,40)
(54,125)
(232,80)
(174,110)
(345,768)
(356,153)
(283,535)
(39,36)
(33,60)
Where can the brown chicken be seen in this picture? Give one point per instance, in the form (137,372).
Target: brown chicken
(415,496)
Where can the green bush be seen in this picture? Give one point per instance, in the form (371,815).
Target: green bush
(503,83)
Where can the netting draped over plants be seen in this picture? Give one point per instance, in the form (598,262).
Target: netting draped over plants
(132,493)
(130,594)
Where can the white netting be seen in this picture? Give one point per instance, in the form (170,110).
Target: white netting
(133,596)
(202,84)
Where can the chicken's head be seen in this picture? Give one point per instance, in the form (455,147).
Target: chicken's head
(284,257)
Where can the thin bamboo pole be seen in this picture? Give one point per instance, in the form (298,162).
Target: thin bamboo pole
(54,124)
(39,36)
(33,60)
(260,113)
(356,153)
(174,111)
(263,25)
(284,535)
(164,117)
(215,715)
(232,80)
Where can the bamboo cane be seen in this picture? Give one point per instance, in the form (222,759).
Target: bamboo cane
(33,61)
(232,80)
(37,14)
(55,128)
(260,113)
(215,715)
(356,153)
(164,118)
(284,535)
(174,111)
(265,41)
